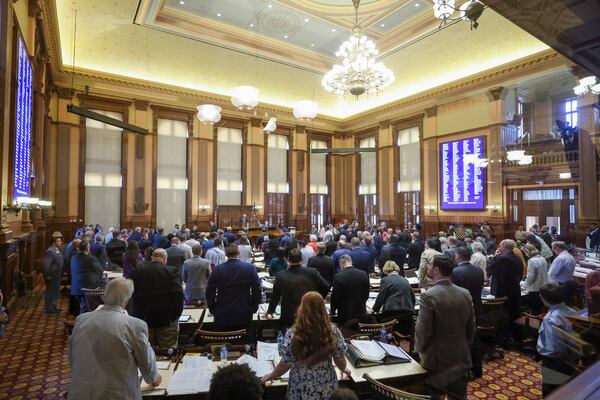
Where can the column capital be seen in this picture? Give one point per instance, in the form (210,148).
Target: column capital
(300,129)
(141,105)
(495,94)
(384,124)
(255,122)
(431,112)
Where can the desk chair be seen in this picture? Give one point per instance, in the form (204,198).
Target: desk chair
(373,330)
(379,391)
(488,325)
(93,298)
(530,325)
(211,342)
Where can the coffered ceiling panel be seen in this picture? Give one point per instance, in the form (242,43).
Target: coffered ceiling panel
(115,37)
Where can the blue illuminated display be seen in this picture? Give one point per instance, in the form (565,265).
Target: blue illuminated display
(462,176)
(23,122)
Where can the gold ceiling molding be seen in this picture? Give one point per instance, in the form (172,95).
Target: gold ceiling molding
(50,17)
(542,61)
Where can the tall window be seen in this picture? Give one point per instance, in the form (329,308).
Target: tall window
(409,178)
(171,173)
(571,111)
(521,111)
(103,171)
(367,189)
(277,151)
(319,201)
(229,166)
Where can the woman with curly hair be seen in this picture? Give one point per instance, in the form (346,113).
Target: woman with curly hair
(307,349)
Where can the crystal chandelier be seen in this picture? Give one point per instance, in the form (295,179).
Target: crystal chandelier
(587,84)
(470,10)
(209,113)
(305,110)
(359,72)
(244,97)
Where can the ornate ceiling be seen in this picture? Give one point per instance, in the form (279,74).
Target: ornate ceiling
(190,46)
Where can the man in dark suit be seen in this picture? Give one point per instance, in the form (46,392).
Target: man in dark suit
(290,285)
(99,251)
(394,252)
(470,277)
(414,251)
(505,271)
(361,258)
(86,272)
(452,245)
(176,255)
(444,331)
(228,234)
(322,263)
(145,242)
(53,267)
(233,292)
(158,299)
(116,248)
(350,293)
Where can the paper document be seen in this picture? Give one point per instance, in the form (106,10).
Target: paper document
(184,318)
(267,351)
(394,351)
(195,362)
(266,284)
(374,281)
(413,280)
(163,364)
(371,303)
(368,350)
(263,275)
(373,295)
(259,367)
(189,380)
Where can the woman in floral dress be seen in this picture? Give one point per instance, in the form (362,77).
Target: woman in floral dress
(307,349)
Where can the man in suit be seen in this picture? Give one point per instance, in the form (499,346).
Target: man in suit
(444,331)
(229,236)
(53,266)
(505,271)
(175,254)
(108,347)
(196,272)
(116,248)
(414,251)
(452,245)
(394,252)
(350,293)
(290,285)
(470,277)
(323,263)
(158,299)
(342,248)
(145,242)
(233,292)
(99,251)
(361,258)
(86,272)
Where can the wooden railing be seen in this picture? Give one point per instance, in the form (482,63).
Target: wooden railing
(547,158)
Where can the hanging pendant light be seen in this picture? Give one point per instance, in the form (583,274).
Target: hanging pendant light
(515,155)
(526,160)
(305,110)
(245,97)
(209,113)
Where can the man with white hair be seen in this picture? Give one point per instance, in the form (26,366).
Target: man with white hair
(107,347)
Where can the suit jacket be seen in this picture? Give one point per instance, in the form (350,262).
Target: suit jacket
(393,252)
(470,277)
(233,293)
(324,264)
(158,294)
(98,250)
(86,272)
(105,351)
(363,259)
(414,251)
(176,257)
(196,271)
(445,328)
(53,264)
(506,271)
(330,247)
(289,287)
(395,294)
(451,254)
(350,294)
(115,249)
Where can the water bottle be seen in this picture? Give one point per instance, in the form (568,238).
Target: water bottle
(383,335)
(280,343)
(263,297)
(224,353)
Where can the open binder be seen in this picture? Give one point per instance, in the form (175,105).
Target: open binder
(365,353)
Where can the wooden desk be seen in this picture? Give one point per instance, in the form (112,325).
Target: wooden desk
(160,390)
(409,370)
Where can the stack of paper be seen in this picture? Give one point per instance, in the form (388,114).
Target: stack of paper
(195,361)
(368,350)
(263,275)
(189,380)
(259,367)
(267,351)
(266,284)
(413,280)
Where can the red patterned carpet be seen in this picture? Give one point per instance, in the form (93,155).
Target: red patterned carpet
(34,365)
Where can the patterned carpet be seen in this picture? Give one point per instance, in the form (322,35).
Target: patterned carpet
(34,365)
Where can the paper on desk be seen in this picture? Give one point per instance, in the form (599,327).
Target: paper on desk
(263,275)
(259,367)
(413,280)
(371,303)
(163,364)
(267,351)
(189,380)
(368,350)
(195,362)
(266,284)
(373,295)
(374,281)
(394,351)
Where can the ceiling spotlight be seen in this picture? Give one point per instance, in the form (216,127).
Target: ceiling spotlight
(382,25)
(285,36)
(417,4)
(251,25)
(332,29)
(270,5)
(218,14)
(312,45)
(306,19)
(181,2)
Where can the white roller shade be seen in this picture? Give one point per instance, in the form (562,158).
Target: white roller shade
(229,166)
(171,173)
(277,151)
(368,168)
(410,160)
(318,168)
(103,171)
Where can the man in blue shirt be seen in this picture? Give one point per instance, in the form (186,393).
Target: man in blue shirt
(562,268)
(342,249)
(361,258)
(556,368)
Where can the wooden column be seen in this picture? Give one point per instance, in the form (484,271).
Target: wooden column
(298,175)
(256,168)
(140,163)
(387,174)
(429,178)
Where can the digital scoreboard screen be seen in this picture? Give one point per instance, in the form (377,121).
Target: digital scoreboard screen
(462,174)
(23,122)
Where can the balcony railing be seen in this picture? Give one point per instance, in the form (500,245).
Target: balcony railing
(547,158)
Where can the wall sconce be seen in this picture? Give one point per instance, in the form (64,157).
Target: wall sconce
(431,208)
(495,209)
(258,207)
(203,207)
